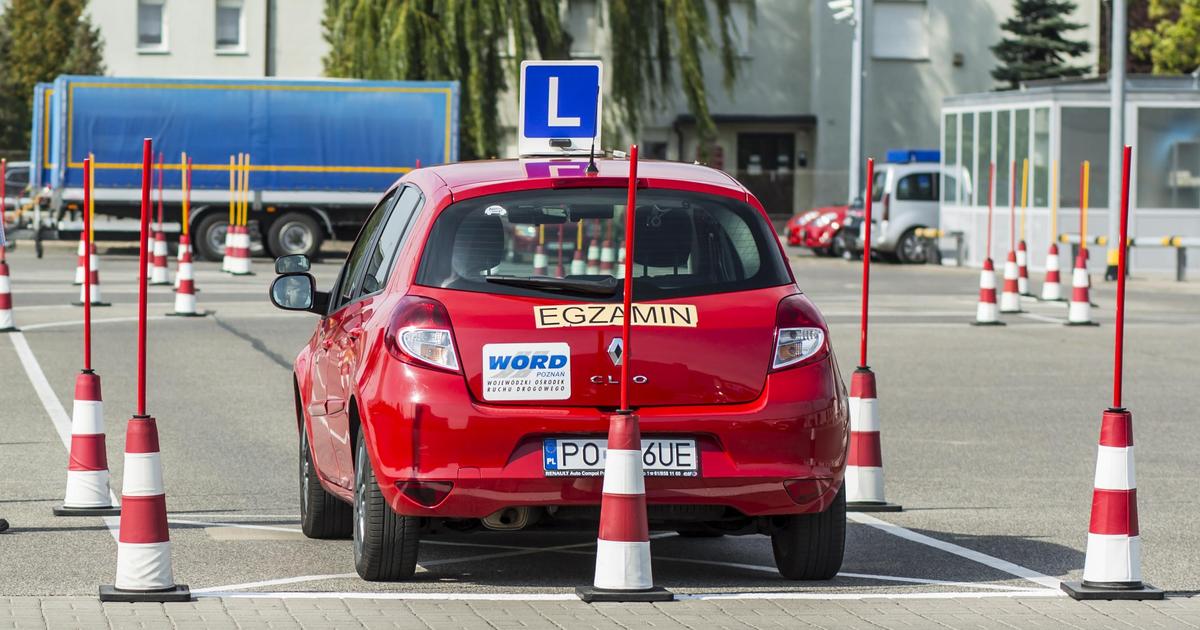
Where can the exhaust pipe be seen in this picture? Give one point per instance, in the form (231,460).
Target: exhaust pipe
(507,519)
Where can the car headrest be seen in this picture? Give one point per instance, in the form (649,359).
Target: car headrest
(478,246)
(662,239)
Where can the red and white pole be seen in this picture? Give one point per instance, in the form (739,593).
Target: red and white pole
(1010,296)
(144,571)
(7,322)
(864,465)
(986,311)
(623,546)
(158,267)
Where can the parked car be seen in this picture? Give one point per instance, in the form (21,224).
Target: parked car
(820,232)
(795,227)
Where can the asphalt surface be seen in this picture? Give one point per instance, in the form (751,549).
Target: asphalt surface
(989,438)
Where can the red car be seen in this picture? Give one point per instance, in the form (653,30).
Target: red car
(820,233)
(448,388)
(795,227)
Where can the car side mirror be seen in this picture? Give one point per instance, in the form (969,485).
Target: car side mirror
(294,292)
(295,263)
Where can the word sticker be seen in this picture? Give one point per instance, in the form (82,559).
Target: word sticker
(526,371)
(568,315)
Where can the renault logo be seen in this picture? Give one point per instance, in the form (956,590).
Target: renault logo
(616,349)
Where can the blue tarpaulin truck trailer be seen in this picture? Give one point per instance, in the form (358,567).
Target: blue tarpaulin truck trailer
(321,151)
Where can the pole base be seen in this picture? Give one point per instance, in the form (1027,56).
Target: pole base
(177,593)
(10,329)
(62,510)
(988,324)
(196,314)
(80,303)
(873,506)
(1081,323)
(1134,591)
(590,594)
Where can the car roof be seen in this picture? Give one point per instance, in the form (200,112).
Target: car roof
(462,175)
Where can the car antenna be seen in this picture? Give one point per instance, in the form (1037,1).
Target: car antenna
(592,169)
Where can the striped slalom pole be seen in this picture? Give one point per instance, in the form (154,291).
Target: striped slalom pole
(8,323)
(1112,568)
(90,292)
(1079,310)
(986,312)
(1022,248)
(185,241)
(864,463)
(87,492)
(1052,286)
(623,572)
(1010,300)
(144,571)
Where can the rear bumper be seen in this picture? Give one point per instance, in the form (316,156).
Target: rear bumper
(427,428)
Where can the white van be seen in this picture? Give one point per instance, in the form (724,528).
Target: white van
(906,193)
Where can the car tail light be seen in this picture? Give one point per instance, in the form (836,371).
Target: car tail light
(887,205)
(420,333)
(800,334)
(427,493)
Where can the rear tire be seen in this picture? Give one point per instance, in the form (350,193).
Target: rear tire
(810,546)
(385,543)
(322,515)
(910,249)
(294,233)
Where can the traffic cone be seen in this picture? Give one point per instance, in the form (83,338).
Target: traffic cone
(79,265)
(623,546)
(1052,287)
(864,466)
(1079,311)
(578,265)
(986,311)
(1010,300)
(158,270)
(97,296)
(240,264)
(225,260)
(185,293)
(1112,568)
(144,572)
(185,245)
(87,470)
(593,258)
(1023,270)
(153,245)
(607,257)
(7,322)
(539,261)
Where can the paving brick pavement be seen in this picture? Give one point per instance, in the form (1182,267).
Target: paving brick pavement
(22,613)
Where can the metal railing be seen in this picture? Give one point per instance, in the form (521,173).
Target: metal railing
(1180,243)
(930,238)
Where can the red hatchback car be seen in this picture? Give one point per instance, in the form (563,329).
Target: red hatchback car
(449,388)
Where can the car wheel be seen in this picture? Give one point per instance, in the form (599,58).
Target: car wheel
(294,233)
(910,249)
(322,515)
(837,246)
(385,543)
(810,546)
(209,238)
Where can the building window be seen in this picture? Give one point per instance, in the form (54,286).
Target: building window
(152,25)
(229,26)
(900,30)
(583,21)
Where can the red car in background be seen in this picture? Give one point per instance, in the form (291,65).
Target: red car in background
(449,387)
(795,227)
(820,234)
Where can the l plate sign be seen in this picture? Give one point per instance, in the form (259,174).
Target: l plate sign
(560,101)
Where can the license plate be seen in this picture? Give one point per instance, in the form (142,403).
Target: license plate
(572,457)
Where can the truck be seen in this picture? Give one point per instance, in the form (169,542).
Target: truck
(321,152)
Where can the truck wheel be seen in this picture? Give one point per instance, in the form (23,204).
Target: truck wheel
(210,236)
(385,543)
(910,249)
(810,546)
(294,233)
(322,515)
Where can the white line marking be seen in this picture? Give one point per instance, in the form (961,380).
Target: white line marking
(133,318)
(1043,318)
(542,597)
(276,582)
(962,552)
(58,414)
(269,528)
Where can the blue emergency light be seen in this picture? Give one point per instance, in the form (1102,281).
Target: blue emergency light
(904,156)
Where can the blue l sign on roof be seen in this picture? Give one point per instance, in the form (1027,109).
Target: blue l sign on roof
(560,101)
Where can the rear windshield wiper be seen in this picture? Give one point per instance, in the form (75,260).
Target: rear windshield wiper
(606,287)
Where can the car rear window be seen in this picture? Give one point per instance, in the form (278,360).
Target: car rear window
(685,243)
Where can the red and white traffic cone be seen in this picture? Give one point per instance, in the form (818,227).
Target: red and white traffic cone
(986,313)
(1023,270)
(1010,299)
(239,265)
(97,296)
(7,321)
(539,261)
(185,245)
(578,264)
(153,245)
(227,259)
(185,293)
(1112,568)
(144,572)
(79,265)
(1052,287)
(623,571)
(607,257)
(593,258)
(1079,311)
(864,465)
(158,270)
(88,491)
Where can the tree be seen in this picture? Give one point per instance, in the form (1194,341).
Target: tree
(39,40)
(1037,47)
(468,40)
(1172,44)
